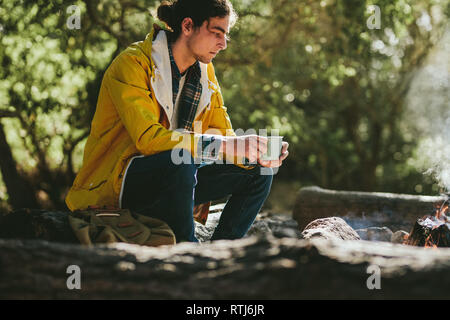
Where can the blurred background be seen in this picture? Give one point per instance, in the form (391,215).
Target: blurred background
(361,93)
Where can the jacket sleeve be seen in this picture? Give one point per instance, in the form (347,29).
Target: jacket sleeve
(128,83)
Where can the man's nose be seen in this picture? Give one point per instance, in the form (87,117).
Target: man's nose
(223,43)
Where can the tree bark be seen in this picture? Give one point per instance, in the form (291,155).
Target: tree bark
(20,193)
(260,267)
(363,209)
(251,268)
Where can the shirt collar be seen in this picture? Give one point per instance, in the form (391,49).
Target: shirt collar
(175,71)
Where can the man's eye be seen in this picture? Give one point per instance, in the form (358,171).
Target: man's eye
(219,35)
(227,37)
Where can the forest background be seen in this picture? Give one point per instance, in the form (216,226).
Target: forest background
(359,89)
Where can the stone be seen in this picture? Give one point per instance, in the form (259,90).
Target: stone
(330,228)
(205,232)
(399,236)
(375,234)
(277,225)
(259,227)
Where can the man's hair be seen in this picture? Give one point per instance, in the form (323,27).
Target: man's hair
(175,11)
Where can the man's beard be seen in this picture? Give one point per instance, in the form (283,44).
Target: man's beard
(203,59)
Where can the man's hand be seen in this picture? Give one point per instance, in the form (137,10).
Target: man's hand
(251,146)
(276,163)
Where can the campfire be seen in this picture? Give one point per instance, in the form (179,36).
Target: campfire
(432,231)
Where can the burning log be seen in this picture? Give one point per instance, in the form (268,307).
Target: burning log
(431,231)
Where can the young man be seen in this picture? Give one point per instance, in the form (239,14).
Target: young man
(150,97)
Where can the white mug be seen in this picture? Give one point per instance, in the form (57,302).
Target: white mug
(274,146)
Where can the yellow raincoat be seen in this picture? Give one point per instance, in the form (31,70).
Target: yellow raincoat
(132,119)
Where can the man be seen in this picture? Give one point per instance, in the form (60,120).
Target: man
(151,97)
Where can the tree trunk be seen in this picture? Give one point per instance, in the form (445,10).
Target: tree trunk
(252,268)
(20,193)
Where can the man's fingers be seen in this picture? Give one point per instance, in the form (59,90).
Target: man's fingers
(270,163)
(257,146)
(275,163)
(262,147)
(285,147)
(264,163)
(262,139)
(257,149)
(253,153)
(262,143)
(259,142)
(284,156)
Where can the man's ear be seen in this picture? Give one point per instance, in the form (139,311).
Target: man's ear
(187,26)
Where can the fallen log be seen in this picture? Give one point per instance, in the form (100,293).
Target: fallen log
(260,267)
(425,235)
(362,209)
(251,268)
(54,225)
(37,224)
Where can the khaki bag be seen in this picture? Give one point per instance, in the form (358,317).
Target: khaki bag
(103,225)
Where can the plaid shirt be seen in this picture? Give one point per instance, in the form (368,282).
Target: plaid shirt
(188,104)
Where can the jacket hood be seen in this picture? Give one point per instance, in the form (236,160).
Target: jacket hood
(161,80)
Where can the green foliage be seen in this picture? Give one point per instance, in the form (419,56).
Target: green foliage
(51,75)
(340,85)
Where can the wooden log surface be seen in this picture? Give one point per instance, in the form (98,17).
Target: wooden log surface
(258,267)
(37,224)
(363,209)
(251,268)
(423,234)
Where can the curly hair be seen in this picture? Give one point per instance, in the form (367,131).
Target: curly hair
(175,11)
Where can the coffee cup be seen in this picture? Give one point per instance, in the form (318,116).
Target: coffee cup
(274,146)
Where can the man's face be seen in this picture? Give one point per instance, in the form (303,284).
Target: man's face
(207,40)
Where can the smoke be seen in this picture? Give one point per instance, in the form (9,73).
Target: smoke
(428,107)
(437,148)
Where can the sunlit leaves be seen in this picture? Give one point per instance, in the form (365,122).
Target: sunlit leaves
(336,69)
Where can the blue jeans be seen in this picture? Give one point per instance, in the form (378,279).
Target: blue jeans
(156,187)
